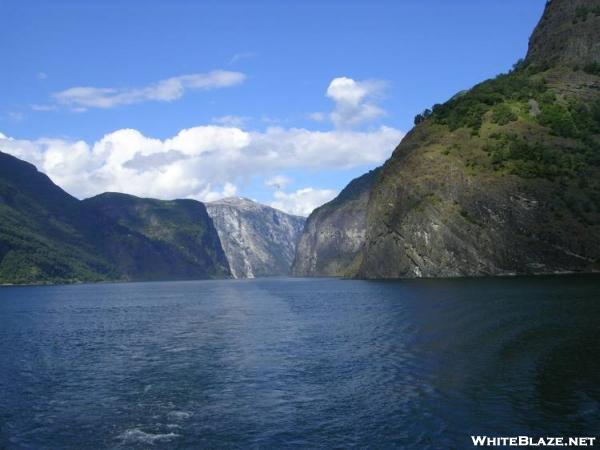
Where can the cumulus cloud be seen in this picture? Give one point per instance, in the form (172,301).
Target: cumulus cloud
(303,201)
(155,160)
(318,116)
(278,181)
(85,97)
(207,195)
(209,162)
(354,101)
(205,162)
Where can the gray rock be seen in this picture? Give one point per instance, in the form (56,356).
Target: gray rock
(335,233)
(567,34)
(258,240)
(534,108)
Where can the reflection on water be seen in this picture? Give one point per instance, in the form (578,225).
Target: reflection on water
(296,362)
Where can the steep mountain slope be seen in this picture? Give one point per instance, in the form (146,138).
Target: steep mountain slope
(41,233)
(181,230)
(258,240)
(504,178)
(48,236)
(566,35)
(334,233)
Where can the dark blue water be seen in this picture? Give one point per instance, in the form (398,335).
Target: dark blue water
(279,363)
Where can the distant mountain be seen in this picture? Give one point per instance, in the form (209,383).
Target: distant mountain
(182,230)
(258,240)
(334,233)
(48,236)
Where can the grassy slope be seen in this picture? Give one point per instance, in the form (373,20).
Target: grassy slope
(531,131)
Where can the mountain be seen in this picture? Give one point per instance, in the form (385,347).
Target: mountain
(505,177)
(334,234)
(258,240)
(182,230)
(44,231)
(48,236)
(567,35)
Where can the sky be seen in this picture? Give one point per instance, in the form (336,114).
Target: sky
(283,102)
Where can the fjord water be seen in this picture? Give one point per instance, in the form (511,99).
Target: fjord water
(319,363)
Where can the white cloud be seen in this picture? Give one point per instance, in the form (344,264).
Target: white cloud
(42,75)
(317,116)
(278,182)
(354,101)
(207,195)
(204,162)
(209,162)
(84,97)
(303,201)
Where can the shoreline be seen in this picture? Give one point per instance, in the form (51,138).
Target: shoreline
(473,277)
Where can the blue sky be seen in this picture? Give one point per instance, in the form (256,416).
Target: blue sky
(255,86)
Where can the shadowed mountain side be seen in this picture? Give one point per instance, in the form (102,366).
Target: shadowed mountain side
(48,236)
(334,234)
(181,229)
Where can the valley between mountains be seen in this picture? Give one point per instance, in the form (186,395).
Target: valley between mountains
(501,179)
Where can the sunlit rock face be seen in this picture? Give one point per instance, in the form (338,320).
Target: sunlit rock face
(258,240)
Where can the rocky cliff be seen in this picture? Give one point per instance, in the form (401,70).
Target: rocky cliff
(568,34)
(334,233)
(258,240)
(505,178)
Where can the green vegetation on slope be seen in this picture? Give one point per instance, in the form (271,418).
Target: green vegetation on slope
(182,227)
(39,240)
(48,236)
(530,130)
(503,178)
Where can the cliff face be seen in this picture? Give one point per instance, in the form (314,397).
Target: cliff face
(334,234)
(464,219)
(568,34)
(258,240)
(505,178)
